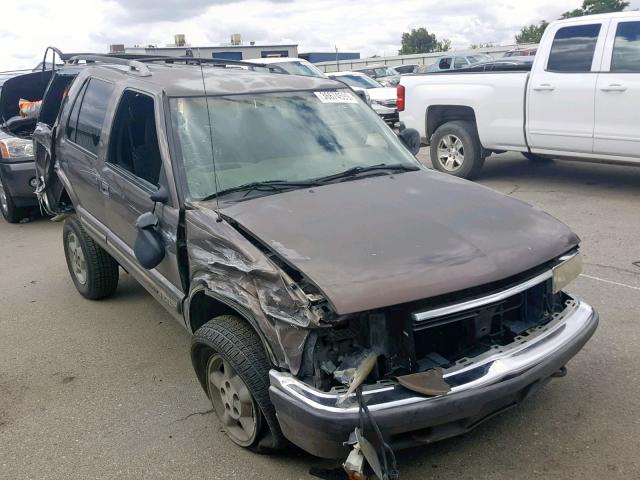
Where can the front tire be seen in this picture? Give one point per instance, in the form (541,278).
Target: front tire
(94,272)
(234,370)
(10,212)
(456,149)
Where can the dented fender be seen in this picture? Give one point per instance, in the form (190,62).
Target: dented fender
(229,268)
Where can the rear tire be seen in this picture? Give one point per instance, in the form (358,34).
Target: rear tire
(231,363)
(94,272)
(536,158)
(10,212)
(456,149)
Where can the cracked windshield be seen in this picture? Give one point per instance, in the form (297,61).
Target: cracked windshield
(284,137)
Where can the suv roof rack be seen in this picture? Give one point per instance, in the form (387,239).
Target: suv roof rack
(215,61)
(135,66)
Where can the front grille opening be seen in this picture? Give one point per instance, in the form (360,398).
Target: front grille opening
(457,338)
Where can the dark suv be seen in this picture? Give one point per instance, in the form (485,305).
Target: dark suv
(323,271)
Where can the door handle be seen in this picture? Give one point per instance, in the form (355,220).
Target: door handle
(544,87)
(614,87)
(104,188)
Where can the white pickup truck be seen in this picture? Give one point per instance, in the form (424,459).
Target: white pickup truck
(580,100)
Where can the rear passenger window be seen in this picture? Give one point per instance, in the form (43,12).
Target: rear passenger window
(626,49)
(92,113)
(573,48)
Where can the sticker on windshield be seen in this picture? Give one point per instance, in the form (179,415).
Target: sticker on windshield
(336,97)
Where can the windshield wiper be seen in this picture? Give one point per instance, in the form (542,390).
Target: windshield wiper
(356,171)
(264,186)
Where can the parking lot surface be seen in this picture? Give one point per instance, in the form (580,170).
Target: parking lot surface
(106,389)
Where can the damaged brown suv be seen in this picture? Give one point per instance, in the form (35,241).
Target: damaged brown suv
(320,267)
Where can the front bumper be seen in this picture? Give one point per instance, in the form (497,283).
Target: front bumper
(502,378)
(16,176)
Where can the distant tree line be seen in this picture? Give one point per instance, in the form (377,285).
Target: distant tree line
(533,33)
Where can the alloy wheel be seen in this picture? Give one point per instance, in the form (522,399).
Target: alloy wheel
(450,153)
(232,402)
(4,203)
(76,258)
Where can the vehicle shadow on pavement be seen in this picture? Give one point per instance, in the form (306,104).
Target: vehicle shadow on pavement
(562,173)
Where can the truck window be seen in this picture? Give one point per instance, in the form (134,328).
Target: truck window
(626,49)
(134,141)
(92,113)
(445,63)
(573,48)
(459,62)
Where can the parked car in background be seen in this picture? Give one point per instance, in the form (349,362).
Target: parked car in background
(198,180)
(300,66)
(454,62)
(500,65)
(384,75)
(579,101)
(406,68)
(292,65)
(383,99)
(522,52)
(17,168)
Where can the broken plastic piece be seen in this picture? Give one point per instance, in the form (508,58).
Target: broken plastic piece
(429,383)
(355,377)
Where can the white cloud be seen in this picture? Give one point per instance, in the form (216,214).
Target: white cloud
(365,26)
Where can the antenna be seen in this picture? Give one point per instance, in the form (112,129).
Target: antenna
(213,160)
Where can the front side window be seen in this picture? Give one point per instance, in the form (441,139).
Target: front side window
(134,141)
(573,49)
(459,62)
(92,113)
(626,49)
(278,137)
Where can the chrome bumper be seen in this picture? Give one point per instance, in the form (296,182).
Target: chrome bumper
(494,366)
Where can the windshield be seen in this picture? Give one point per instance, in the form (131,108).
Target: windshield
(358,81)
(291,136)
(300,68)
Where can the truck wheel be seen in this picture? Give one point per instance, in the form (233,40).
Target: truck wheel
(536,158)
(93,271)
(10,212)
(456,149)
(234,370)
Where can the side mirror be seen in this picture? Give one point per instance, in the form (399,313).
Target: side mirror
(410,137)
(148,248)
(160,196)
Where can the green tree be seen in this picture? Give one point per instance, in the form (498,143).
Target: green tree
(421,41)
(532,33)
(592,7)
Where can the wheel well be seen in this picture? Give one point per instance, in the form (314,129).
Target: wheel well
(203,308)
(438,115)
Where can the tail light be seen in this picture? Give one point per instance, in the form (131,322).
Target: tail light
(400,100)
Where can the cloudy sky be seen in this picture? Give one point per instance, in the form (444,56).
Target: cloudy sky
(365,26)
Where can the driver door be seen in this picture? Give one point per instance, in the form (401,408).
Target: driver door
(134,168)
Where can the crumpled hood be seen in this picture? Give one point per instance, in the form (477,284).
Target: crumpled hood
(386,240)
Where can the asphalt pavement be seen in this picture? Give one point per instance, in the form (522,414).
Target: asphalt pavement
(105,389)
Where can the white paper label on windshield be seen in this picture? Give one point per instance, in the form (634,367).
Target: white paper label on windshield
(336,97)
